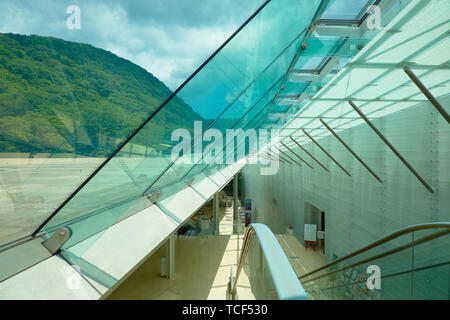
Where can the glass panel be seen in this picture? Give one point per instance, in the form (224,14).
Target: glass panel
(236,73)
(407,272)
(432,265)
(255,281)
(64,107)
(347,9)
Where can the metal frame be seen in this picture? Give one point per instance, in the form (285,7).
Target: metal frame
(289,157)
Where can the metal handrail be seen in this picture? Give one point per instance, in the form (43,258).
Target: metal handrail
(389,275)
(284,278)
(383,240)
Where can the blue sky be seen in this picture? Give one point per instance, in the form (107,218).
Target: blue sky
(169,38)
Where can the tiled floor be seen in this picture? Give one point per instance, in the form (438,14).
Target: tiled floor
(302,261)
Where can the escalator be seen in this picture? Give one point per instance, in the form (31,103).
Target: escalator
(411,263)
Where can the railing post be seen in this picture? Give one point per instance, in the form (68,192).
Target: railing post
(171,256)
(235,203)
(412,266)
(216,213)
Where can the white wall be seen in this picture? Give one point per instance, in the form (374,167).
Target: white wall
(359,209)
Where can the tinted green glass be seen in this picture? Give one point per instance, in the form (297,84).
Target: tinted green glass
(147,157)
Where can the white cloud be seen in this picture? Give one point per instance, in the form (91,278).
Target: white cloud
(169,38)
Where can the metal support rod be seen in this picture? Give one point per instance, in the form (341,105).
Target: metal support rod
(235,203)
(351,151)
(273,158)
(302,47)
(412,266)
(216,213)
(289,157)
(292,151)
(268,158)
(427,93)
(263,156)
(284,159)
(325,151)
(390,146)
(298,144)
(279,158)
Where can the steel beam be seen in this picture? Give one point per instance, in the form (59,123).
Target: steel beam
(427,93)
(382,137)
(325,151)
(351,151)
(306,151)
(289,157)
(280,158)
(267,157)
(216,213)
(284,159)
(235,203)
(292,151)
(271,157)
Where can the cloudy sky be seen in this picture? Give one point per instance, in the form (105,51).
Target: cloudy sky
(169,38)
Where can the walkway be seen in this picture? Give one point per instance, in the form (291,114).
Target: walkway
(203,264)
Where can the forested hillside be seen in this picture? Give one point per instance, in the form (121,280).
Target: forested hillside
(65,97)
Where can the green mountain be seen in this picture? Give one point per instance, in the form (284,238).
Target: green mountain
(65,97)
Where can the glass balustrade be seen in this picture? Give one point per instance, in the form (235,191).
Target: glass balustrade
(413,265)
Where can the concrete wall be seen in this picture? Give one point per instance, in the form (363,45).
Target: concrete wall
(359,209)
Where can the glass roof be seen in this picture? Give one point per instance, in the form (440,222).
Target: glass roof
(347,10)
(375,80)
(228,92)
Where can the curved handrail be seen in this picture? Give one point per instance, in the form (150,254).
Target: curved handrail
(389,237)
(284,277)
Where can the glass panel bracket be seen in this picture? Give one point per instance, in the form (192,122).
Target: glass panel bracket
(17,258)
(56,240)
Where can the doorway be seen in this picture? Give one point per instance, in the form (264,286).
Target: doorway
(315,215)
(322,229)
